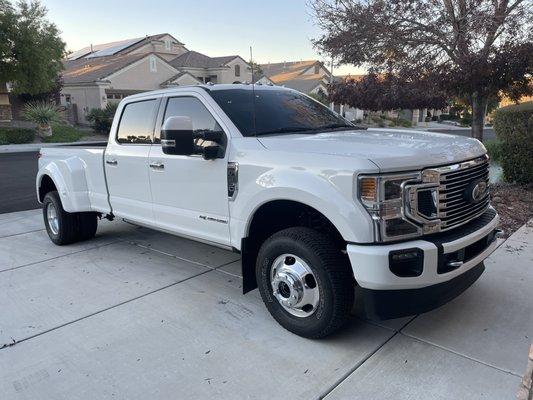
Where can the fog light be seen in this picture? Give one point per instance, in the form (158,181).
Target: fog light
(406,263)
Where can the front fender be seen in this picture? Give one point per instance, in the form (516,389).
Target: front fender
(71,183)
(328,191)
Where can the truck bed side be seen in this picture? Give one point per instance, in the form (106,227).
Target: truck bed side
(78,175)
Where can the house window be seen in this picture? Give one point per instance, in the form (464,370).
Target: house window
(317,69)
(237,70)
(153,64)
(168,44)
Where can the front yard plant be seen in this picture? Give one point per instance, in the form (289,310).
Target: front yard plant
(44,114)
(514,127)
(16,135)
(101,118)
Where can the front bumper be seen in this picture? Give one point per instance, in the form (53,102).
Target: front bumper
(448,262)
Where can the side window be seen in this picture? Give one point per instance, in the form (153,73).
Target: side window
(137,122)
(191,107)
(237,70)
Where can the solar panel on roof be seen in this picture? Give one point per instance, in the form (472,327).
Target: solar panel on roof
(108,51)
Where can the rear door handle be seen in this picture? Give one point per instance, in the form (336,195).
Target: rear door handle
(111,162)
(157,165)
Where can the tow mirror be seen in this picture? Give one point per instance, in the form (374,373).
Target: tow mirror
(177,136)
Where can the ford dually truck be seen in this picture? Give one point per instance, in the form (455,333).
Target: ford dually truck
(323,213)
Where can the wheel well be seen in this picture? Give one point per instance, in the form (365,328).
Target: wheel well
(273,217)
(47,185)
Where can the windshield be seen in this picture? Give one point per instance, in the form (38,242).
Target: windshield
(276,112)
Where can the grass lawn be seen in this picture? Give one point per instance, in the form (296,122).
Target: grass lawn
(65,134)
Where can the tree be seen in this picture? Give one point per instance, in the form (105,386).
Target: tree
(30,49)
(474,49)
(388,91)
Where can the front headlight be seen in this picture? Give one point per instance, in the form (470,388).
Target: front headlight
(382,196)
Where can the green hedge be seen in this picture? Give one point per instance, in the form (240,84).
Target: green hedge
(16,135)
(514,128)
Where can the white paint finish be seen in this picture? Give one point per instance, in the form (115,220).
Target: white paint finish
(21,222)
(32,247)
(493,320)
(413,150)
(58,291)
(370,264)
(190,194)
(408,369)
(198,339)
(316,170)
(175,246)
(128,181)
(78,175)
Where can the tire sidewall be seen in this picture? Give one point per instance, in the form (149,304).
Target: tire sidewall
(51,199)
(304,326)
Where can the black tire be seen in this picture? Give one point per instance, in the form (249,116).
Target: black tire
(333,278)
(67,232)
(87,225)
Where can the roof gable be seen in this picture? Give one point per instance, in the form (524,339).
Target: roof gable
(194,59)
(89,70)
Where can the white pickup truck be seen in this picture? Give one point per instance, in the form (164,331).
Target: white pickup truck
(324,213)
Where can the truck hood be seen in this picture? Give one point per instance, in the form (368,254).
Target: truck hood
(389,149)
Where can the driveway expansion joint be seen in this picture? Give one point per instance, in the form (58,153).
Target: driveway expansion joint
(15,342)
(462,355)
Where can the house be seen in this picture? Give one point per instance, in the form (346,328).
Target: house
(100,74)
(309,77)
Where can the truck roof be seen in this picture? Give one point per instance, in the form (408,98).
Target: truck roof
(208,88)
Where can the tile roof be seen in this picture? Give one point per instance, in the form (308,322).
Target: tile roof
(93,69)
(193,59)
(285,71)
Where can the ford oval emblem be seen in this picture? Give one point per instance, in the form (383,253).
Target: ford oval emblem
(476,191)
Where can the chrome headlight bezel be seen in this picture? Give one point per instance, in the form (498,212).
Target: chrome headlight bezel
(387,207)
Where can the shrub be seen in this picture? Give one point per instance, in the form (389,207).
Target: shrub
(43,114)
(514,127)
(495,150)
(64,134)
(102,118)
(16,135)
(448,117)
(404,123)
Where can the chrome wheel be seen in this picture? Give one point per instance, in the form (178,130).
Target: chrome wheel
(294,285)
(53,218)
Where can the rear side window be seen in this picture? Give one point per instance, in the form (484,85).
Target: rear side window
(137,122)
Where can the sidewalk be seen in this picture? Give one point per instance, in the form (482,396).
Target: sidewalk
(140,314)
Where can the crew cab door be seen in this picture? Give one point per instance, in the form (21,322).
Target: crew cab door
(190,194)
(126,161)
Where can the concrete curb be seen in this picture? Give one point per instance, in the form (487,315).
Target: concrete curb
(526,387)
(31,147)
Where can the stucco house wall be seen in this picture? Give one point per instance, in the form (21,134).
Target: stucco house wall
(227,75)
(141,75)
(85,97)
(160,46)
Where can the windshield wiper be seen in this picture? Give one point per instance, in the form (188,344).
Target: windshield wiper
(287,129)
(333,126)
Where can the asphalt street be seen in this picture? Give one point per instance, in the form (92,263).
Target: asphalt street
(18,170)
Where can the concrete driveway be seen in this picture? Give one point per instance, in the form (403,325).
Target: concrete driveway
(137,314)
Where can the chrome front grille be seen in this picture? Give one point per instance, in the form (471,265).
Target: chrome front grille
(443,198)
(456,207)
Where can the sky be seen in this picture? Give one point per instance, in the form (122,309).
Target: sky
(277,30)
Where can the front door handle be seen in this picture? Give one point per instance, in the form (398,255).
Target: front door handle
(157,165)
(111,162)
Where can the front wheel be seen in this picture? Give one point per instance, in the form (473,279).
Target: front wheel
(305,282)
